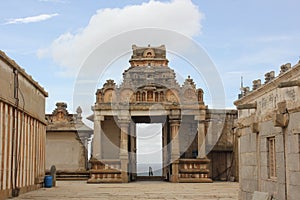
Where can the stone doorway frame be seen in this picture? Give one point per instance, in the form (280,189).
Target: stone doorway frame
(123,169)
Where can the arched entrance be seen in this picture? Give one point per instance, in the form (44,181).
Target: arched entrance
(149,93)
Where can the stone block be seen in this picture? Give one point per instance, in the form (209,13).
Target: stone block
(269,186)
(280,120)
(264,159)
(245,195)
(295,178)
(293,162)
(279,159)
(248,159)
(294,120)
(280,174)
(53,174)
(248,143)
(248,185)
(293,143)
(266,128)
(263,145)
(293,192)
(249,172)
(281,192)
(261,196)
(264,172)
(279,143)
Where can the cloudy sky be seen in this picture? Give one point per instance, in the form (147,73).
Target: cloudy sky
(51,39)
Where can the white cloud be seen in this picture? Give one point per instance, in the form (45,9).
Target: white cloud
(70,49)
(31,19)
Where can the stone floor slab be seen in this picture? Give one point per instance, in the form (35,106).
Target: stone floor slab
(135,191)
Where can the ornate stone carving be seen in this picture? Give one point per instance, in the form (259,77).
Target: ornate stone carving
(284,68)
(60,114)
(256,84)
(269,76)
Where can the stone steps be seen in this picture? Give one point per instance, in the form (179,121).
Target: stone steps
(149,178)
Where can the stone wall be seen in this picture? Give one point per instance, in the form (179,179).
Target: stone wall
(22,130)
(65,151)
(222,144)
(110,138)
(67,140)
(268,130)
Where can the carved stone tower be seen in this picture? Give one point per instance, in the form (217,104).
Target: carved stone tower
(149,93)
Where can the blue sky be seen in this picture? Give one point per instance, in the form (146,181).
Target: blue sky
(50,38)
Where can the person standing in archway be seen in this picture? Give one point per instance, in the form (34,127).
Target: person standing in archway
(150,171)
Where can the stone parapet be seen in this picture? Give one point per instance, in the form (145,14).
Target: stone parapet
(105,171)
(194,170)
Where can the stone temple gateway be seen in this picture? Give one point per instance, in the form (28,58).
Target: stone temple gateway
(149,93)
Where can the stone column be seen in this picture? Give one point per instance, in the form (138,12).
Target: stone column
(165,148)
(175,154)
(124,126)
(132,157)
(201,140)
(97,151)
(201,135)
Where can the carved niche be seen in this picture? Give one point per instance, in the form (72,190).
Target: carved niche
(60,114)
(190,95)
(109,96)
(126,95)
(172,96)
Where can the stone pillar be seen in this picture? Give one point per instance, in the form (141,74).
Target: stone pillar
(97,151)
(201,135)
(175,154)
(132,157)
(124,125)
(165,149)
(201,140)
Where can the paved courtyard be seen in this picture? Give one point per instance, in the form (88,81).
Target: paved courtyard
(136,190)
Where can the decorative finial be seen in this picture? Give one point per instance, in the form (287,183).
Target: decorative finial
(79,112)
(62,105)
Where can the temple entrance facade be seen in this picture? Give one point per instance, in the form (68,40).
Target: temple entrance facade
(149,93)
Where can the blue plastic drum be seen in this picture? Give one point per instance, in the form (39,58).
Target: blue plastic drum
(48,181)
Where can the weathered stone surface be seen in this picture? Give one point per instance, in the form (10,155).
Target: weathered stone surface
(248,159)
(249,185)
(245,195)
(67,140)
(293,162)
(264,173)
(294,192)
(277,116)
(248,143)
(279,142)
(53,174)
(295,178)
(135,191)
(269,186)
(249,172)
(150,93)
(22,130)
(264,159)
(293,141)
(261,196)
